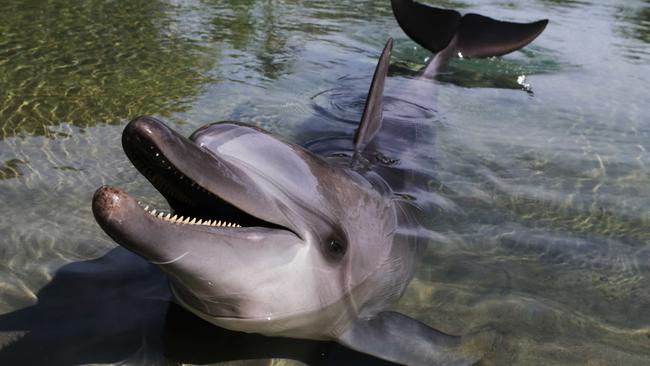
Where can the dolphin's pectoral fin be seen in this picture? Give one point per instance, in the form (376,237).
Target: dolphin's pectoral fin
(396,337)
(372,113)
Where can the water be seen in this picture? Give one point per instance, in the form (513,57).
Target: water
(542,182)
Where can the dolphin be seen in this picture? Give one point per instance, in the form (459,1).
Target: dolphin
(313,241)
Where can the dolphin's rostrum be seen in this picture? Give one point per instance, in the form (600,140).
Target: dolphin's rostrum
(269,237)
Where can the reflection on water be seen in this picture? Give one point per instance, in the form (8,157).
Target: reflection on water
(634,23)
(540,199)
(10,169)
(93,62)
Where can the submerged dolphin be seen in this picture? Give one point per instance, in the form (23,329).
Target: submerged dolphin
(267,236)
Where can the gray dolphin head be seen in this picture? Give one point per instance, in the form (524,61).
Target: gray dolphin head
(262,235)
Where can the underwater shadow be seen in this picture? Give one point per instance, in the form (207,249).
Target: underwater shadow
(117,309)
(99,311)
(189,339)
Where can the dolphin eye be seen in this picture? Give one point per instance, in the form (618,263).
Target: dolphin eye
(335,248)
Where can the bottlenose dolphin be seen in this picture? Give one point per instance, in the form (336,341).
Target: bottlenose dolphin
(317,241)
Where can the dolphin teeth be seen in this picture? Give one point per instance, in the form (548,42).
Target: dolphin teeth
(193,221)
(168,216)
(173,219)
(187,220)
(180,220)
(146,208)
(199,222)
(219,224)
(153,212)
(161,214)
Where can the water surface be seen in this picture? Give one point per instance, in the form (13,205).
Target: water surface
(541,157)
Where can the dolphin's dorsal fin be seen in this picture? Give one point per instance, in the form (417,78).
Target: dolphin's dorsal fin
(397,338)
(372,113)
(473,35)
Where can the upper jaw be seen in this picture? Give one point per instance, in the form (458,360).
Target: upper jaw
(197,182)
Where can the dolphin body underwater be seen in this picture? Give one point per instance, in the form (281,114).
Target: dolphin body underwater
(316,241)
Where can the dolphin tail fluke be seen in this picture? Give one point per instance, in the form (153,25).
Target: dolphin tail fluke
(372,114)
(432,28)
(397,338)
(480,36)
(448,33)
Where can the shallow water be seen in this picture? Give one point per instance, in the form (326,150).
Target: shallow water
(542,184)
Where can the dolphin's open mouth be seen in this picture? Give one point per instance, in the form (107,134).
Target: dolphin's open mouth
(191,203)
(159,154)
